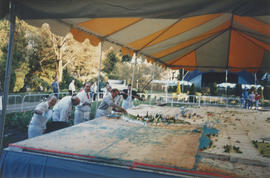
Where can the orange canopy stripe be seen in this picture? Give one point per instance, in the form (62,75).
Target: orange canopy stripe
(126,51)
(253,24)
(108,26)
(180,27)
(244,54)
(187,60)
(257,42)
(184,44)
(151,60)
(81,36)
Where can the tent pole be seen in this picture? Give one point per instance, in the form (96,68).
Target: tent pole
(255,78)
(132,78)
(167,91)
(183,72)
(99,68)
(226,80)
(153,77)
(12,19)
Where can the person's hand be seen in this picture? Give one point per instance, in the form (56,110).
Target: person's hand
(37,112)
(86,103)
(124,111)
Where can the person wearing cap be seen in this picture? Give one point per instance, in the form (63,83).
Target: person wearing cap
(62,110)
(42,114)
(128,97)
(107,104)
(83,110)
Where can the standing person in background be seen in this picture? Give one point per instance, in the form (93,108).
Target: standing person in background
(93,90)
(257,99)
(251,99)
(42,114)
(245,95)
(71,88)
(55,87)
(83,110)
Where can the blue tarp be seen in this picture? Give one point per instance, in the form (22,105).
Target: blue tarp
(30,165)
(243,76)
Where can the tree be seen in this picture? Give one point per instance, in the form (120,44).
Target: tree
(126,58)
(20,65)
(110,63)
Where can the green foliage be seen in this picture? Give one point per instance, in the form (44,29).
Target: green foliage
(18,120)
(126,58)
(33,63)
(263,147)
(18,62)
(67,78)
(266,92)
(213,89)
(238,90)
(110,63)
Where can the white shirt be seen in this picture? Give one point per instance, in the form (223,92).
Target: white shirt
(40,120)
(84,98)
(105,107)
(71,87)
(64,108)
(42,107)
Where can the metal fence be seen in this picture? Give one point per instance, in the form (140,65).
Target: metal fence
(20,103)
(196,100)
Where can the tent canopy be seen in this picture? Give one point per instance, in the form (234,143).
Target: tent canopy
(208,34)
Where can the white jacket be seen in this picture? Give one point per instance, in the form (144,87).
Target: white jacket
(83,98)
(62,110)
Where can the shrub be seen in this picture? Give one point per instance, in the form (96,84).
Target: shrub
(266,92)
(18,120)
(213,89)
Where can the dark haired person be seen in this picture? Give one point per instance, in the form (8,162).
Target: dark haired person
(107,104)
(128,97)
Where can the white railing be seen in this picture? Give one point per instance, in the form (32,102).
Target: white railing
(197,100)
(30,101)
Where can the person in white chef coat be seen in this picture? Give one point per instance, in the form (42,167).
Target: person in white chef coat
(42,114)
(83,110)
(62,110)
(107,104)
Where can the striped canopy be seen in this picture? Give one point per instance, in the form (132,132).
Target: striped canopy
(197,34)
